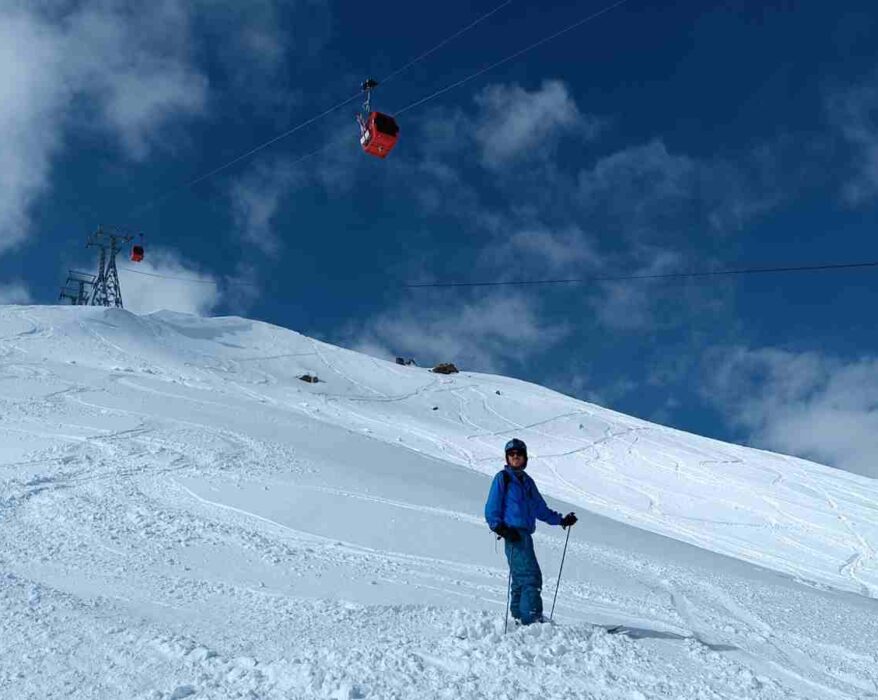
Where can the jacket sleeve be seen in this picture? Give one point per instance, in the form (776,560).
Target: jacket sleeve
(542,511)
(494,504)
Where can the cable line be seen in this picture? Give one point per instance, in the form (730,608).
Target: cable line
(243,156)
(583,280)
(663,276)
(180,279)
(445,41)
(289,132)
(511,57)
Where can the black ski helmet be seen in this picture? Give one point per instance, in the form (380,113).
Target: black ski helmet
(516,444)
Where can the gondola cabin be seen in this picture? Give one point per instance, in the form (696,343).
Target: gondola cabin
(380,134)
(137,253)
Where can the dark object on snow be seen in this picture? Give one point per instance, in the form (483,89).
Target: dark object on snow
(310,378)
(435,408)
(409,361)
(497,392)
(445,368)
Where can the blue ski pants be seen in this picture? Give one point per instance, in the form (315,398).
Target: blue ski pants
(525,603)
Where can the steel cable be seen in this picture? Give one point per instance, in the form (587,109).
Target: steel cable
(661,276)
(511,57)
(584,280)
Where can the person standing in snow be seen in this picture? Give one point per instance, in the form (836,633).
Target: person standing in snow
(514,504)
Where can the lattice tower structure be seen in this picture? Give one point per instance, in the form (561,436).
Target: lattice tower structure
(78,288)
(106,290)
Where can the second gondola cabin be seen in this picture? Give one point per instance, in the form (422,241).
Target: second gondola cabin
(379,134)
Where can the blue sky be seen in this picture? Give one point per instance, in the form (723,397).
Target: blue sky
(656,138)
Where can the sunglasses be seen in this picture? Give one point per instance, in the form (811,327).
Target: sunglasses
(516,453)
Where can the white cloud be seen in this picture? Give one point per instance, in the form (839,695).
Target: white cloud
(133,60)
(260,33)
(336,166)
(556,252)
(802,403)
(110,65)
(509,124)
(641,184)
(130,71)
(259,193)
(433,184)
(261,47)
(15,293)
(194,292)
(535,251)
(32,91)
(647,188)
(515,123)
(444,131)
(256,197)
(631,305)
(486,334)
(854,113)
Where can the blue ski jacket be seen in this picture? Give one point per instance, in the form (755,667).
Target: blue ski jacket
(515,500)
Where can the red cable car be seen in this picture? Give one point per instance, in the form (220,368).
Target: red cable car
(137,251)
(378,132)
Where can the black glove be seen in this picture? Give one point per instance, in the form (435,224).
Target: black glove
(568,520)
(507,532)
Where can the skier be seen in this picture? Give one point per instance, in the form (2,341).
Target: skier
(514,503)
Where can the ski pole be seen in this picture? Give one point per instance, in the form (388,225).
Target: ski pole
(558,585)
(508,596)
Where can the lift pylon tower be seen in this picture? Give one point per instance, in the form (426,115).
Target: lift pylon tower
(78,288)
(106,290)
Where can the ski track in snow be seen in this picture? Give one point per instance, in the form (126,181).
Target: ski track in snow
(181,517)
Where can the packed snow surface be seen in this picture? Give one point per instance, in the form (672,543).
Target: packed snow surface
(182,517)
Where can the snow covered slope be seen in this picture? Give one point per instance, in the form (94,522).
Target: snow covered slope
(181,516)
